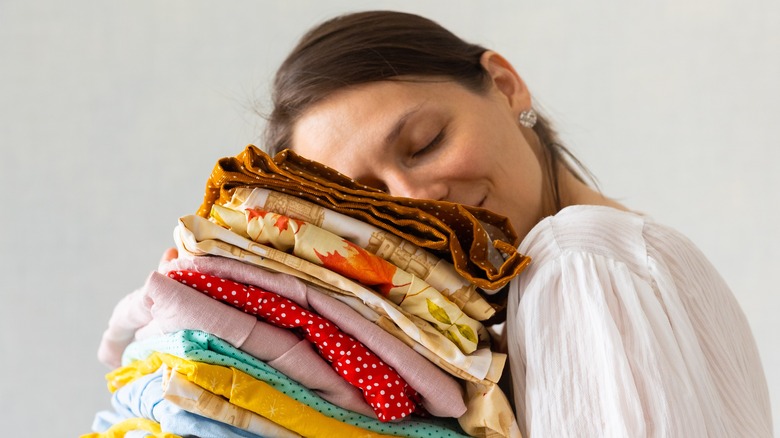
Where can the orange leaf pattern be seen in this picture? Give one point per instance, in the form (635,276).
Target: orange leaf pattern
(345,258)
(362,266)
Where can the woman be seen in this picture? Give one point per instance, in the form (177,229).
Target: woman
(620,327)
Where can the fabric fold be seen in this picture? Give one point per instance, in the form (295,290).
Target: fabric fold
(441,394)
(249,393)
(144,398)
(198,236)
(202,349)
(323,248)
(169,307)
(480,244)
(383,388)
(179,391)
(437,272)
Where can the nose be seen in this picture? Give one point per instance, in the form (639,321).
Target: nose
(407,185)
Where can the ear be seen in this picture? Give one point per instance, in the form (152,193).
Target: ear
(506,81)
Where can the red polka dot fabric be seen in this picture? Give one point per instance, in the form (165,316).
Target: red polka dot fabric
(383,388)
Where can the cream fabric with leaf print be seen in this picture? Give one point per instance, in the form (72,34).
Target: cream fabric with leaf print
(435,271)
(339,255)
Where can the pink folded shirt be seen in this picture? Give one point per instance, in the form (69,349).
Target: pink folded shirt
(164,305)
(383,388)
(442,395)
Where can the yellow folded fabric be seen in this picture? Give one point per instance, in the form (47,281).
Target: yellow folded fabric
(480,244)
(119,430)
(192,398)
(246,392)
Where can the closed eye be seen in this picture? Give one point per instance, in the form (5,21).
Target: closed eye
(430,146)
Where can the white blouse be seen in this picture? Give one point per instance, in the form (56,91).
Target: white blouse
(620,327)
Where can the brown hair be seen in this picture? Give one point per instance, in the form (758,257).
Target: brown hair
(374,46)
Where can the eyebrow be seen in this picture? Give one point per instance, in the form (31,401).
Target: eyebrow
(395,132)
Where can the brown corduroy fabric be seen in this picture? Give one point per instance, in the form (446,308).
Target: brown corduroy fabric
(461,234)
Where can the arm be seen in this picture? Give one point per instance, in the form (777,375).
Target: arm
(631,332)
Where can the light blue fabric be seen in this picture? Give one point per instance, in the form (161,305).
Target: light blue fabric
(203,347)
(143,397)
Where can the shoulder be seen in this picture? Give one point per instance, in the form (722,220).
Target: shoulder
(607,234)
(587,229)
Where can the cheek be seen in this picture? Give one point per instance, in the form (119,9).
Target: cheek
(473,154)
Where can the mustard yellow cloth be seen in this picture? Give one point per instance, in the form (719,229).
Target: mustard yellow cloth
(119,430)
(480,244)
(192,398)
(244,391)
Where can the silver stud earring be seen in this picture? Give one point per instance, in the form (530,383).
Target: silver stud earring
(527,118)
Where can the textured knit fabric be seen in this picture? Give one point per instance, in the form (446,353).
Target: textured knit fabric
(472,238)
(621,327)
(383,388)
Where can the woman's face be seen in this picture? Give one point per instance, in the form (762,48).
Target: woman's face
(429,140)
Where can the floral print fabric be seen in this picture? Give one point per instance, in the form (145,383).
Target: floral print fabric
(339,255)
(480,244)
(197,236)
(437,272)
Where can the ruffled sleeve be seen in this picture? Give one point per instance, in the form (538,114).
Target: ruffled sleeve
(607,336)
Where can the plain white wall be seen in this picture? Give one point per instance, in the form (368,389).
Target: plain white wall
(112,115)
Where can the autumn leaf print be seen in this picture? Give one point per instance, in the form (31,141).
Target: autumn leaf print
(283,223)
(448,334)
(467,332)
(362,266)
(437,312)
(252,213)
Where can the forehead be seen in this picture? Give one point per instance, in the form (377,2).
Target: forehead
(353,122)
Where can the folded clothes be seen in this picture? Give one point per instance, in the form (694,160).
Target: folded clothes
(188,396)
(197,236)
(415,310)
(246,392)
(480,243)
(170,306)
(133,428)
(339,255)
(383,388)
(206,349)
(489,411)
(144,398)
(442,395)
(437,272)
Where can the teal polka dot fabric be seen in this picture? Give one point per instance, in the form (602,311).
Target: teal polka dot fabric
(203,347)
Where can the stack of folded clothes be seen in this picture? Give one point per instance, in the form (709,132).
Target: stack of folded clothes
(305,304)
